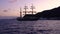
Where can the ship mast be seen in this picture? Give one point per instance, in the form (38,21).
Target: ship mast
(25,8)
(20,12)
(32,8)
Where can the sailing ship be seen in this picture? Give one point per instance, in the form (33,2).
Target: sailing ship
(27,17)
(52,14)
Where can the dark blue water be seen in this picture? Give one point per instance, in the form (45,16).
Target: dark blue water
(9,26)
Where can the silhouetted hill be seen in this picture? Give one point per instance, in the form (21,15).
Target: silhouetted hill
(53,13)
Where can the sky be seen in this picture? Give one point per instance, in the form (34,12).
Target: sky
(12,7)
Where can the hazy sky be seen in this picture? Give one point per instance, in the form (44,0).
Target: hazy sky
(11,7)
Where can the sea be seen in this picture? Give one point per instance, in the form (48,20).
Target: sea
(12,26)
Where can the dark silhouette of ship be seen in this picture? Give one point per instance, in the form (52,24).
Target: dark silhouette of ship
(28,17)
(53,14)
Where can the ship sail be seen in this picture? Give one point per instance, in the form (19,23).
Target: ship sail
(32,8)
(25,7)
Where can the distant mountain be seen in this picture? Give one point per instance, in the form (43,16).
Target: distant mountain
(53,13)
(8,17)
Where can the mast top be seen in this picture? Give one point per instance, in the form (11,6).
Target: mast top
(25,7)
(32,7)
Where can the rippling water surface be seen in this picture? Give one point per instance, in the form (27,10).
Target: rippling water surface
(9,26)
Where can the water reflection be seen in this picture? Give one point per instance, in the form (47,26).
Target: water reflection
(27,27)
